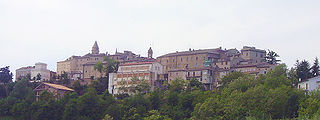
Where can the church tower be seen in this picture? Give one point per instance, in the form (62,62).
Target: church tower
(95,48)
(150,52)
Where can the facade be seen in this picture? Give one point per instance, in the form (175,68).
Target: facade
(209,65)
(41,68)
(57,90)
(33,71)
(82,67)
(149,71)
(310,85)
(255,69)
(73,66)
(24,72)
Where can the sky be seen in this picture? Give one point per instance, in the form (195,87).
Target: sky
(52,30)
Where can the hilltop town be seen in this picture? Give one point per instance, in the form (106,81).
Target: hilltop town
(216,83)
(208,66)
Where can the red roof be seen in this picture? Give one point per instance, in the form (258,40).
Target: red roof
(138,63)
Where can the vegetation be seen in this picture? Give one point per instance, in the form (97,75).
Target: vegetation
(240,96)
(271,57)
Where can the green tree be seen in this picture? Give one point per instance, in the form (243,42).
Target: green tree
(80,89)
(90,105)
(111,66)
(315,68)
(64,79)
(271,57)
(225,80)
(38,76)
(99,67)
(142,85)
(20,111)
(22,91)
(303,70)
(71,111)
(5,75)
(107,117)
(155,115)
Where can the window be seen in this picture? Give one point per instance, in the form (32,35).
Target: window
(196,58)
(181,59)
(306,86)
(187,58)
(167,61)
(247,54)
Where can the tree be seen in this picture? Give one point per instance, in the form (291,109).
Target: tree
(107,117)
(99,67)
(155,115)
(315,68)
(142,85)
(272,57)
(38,76)
(195,84)
(64,79)
(303,70)
(230,78)
(111,66)
(5,75)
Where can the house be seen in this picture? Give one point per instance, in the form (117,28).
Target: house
(310,84)
(151,72)
(57,90)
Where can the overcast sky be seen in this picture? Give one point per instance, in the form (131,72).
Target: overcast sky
(52,30)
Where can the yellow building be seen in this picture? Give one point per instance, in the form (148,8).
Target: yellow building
(82,67)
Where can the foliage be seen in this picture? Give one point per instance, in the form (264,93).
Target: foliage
(240,96)
(272,57)
(5,75)
(315,68)
(303,70)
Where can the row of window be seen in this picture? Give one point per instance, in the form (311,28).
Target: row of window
(181,59)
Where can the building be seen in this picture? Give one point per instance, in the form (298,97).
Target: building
(149,71)
(210,65)
(254,69)
(33,71)
(24,72)
(73,66)
(40,68)
(82,67)
(310,84)
(57,90)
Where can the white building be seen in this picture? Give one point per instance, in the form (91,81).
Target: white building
(310,84)
(33,71)
(149,71)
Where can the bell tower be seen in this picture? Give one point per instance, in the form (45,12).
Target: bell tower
(95,48)
(150,52)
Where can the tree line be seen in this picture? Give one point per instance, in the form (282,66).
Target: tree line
(240,96)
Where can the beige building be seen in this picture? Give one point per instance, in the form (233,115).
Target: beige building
(82,67)
(33,71)
(209,65)
(149,71)
(73,66)
(24,72)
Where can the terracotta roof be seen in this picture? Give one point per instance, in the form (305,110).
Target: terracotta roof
(138,63)
(61,87)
